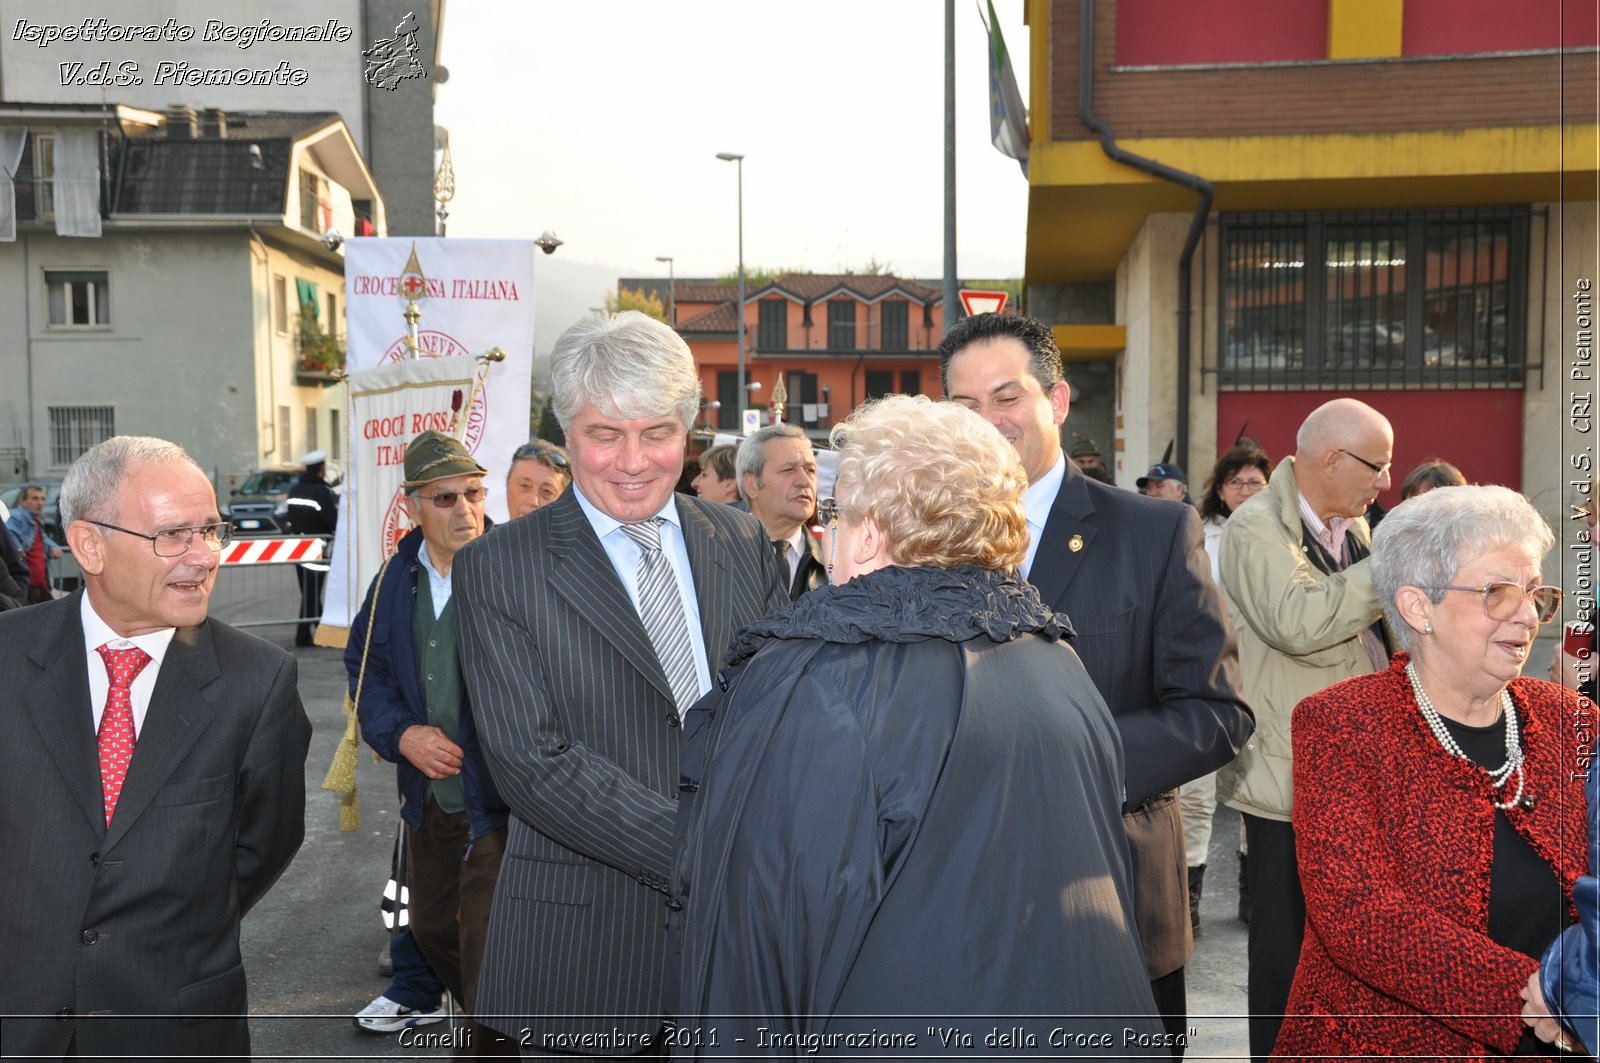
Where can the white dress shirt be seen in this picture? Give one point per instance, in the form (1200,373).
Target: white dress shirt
(792,555)
(625,555)
(438,586)
(1036,503)
(97,633)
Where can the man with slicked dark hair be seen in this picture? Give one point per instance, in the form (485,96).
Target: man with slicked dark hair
(1131,574)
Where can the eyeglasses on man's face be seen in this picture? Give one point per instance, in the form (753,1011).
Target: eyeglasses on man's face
(448,499)
(175,542)
(1502,600)
(1378,470)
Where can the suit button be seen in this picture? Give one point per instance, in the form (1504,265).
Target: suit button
(674,905)
(672,719)
(94,859)
(64,1015)
(90,937)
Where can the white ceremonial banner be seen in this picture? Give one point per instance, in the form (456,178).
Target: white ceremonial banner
(473,295)
(389,405)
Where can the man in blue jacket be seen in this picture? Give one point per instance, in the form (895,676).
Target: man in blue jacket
(413,710)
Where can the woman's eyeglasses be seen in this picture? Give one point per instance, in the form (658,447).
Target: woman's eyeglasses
(542,452)
(827,510)
(1245,485)
(1502,600)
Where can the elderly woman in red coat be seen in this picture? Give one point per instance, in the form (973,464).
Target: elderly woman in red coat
(1438,815)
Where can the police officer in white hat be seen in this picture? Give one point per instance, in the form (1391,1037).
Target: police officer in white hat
(312,509)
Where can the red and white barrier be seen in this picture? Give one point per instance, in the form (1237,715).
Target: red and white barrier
(262,551)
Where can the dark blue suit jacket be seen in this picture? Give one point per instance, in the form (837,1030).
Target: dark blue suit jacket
(392,698)
(1131,574)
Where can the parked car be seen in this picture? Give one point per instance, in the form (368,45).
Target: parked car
(52,505)
(258,506)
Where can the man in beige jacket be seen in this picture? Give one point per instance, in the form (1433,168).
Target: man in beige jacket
(1298,585)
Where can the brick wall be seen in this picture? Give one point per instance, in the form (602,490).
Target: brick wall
(1380,96)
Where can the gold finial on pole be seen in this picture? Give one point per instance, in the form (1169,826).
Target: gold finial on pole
(780,400)
(414,286)
(444,185)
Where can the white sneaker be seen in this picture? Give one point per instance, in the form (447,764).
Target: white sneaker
(385,1016)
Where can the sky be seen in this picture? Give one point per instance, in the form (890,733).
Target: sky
(602,121)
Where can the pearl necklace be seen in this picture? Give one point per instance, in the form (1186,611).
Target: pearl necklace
(1499,776)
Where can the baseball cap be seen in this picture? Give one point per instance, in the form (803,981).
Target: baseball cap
(1159,471)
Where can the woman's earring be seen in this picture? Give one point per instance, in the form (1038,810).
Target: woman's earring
(1427,628)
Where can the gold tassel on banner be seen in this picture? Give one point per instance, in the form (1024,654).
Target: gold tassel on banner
(341,777)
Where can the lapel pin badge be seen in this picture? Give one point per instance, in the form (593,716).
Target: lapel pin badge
(1075,543)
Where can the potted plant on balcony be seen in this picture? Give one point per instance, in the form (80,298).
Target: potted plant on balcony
(318,355)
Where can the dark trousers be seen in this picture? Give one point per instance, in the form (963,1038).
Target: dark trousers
(414,984)
(1172,1002)
(452,881)
(311,583)
(1277,926)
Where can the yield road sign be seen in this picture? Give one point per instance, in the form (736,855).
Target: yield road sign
(976,302)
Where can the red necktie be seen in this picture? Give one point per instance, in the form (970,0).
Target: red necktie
(116,723)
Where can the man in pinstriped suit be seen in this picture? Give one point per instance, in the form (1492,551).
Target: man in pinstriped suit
(587,629)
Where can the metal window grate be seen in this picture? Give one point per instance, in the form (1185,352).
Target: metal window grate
(74,429)
(1373,299)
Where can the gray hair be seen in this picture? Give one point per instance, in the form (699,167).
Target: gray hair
(625,365)
(753,451)
(89,490)
(1424,541)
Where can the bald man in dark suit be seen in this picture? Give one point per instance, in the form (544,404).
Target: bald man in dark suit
(588,627)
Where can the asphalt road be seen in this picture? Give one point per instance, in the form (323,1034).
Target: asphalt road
(311,946)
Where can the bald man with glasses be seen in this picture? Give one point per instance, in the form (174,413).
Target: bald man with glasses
(1297,577)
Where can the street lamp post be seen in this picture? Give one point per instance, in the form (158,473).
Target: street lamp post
(728,156)
(672,291)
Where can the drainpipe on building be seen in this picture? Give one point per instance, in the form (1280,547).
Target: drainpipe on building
(1193,182)
(122,169)
(27,323)
(272,376)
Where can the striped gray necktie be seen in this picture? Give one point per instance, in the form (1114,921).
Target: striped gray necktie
(661,609)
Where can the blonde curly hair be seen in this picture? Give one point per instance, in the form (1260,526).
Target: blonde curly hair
(943,486)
